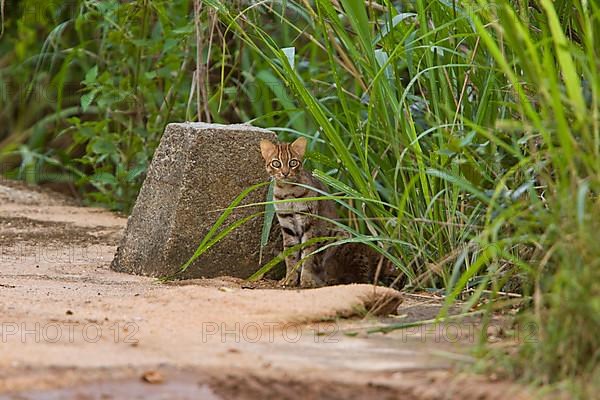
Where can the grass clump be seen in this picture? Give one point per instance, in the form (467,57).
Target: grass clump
(566,311)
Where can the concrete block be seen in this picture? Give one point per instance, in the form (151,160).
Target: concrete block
(198,168)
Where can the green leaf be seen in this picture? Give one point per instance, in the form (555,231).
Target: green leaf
(87,99)
(289,53)
(103,146)
(91,75)
(135,172)
(104,178)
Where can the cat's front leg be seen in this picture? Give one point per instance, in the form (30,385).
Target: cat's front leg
(292,269)
(322,268)
(311,274)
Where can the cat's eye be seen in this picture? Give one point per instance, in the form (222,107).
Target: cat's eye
(275,164)
(294,163)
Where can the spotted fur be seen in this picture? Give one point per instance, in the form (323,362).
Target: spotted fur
(300,222)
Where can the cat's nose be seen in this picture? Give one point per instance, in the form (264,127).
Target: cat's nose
(285,174)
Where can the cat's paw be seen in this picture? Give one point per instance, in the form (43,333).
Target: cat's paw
(310,281)
(290,281)
(284,283)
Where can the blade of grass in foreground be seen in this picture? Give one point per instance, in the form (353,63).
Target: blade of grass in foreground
(281,257)
(267,221)
(209,240)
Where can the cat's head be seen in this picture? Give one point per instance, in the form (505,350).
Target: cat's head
(283,160)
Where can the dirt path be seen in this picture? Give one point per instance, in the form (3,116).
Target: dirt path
(72,328)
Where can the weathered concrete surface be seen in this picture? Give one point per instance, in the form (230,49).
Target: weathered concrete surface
(197,169)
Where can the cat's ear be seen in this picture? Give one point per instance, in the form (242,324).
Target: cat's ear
(267,149)
(299,146)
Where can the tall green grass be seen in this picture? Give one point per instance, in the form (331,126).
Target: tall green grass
(467,137)
(392,162)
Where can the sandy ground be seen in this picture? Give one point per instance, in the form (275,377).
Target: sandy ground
(72,328)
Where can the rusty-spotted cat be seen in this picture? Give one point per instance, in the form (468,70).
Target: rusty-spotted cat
(302,221)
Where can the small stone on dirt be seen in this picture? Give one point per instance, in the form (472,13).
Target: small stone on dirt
(153,377)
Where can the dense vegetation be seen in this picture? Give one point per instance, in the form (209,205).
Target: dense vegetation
(462,137)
